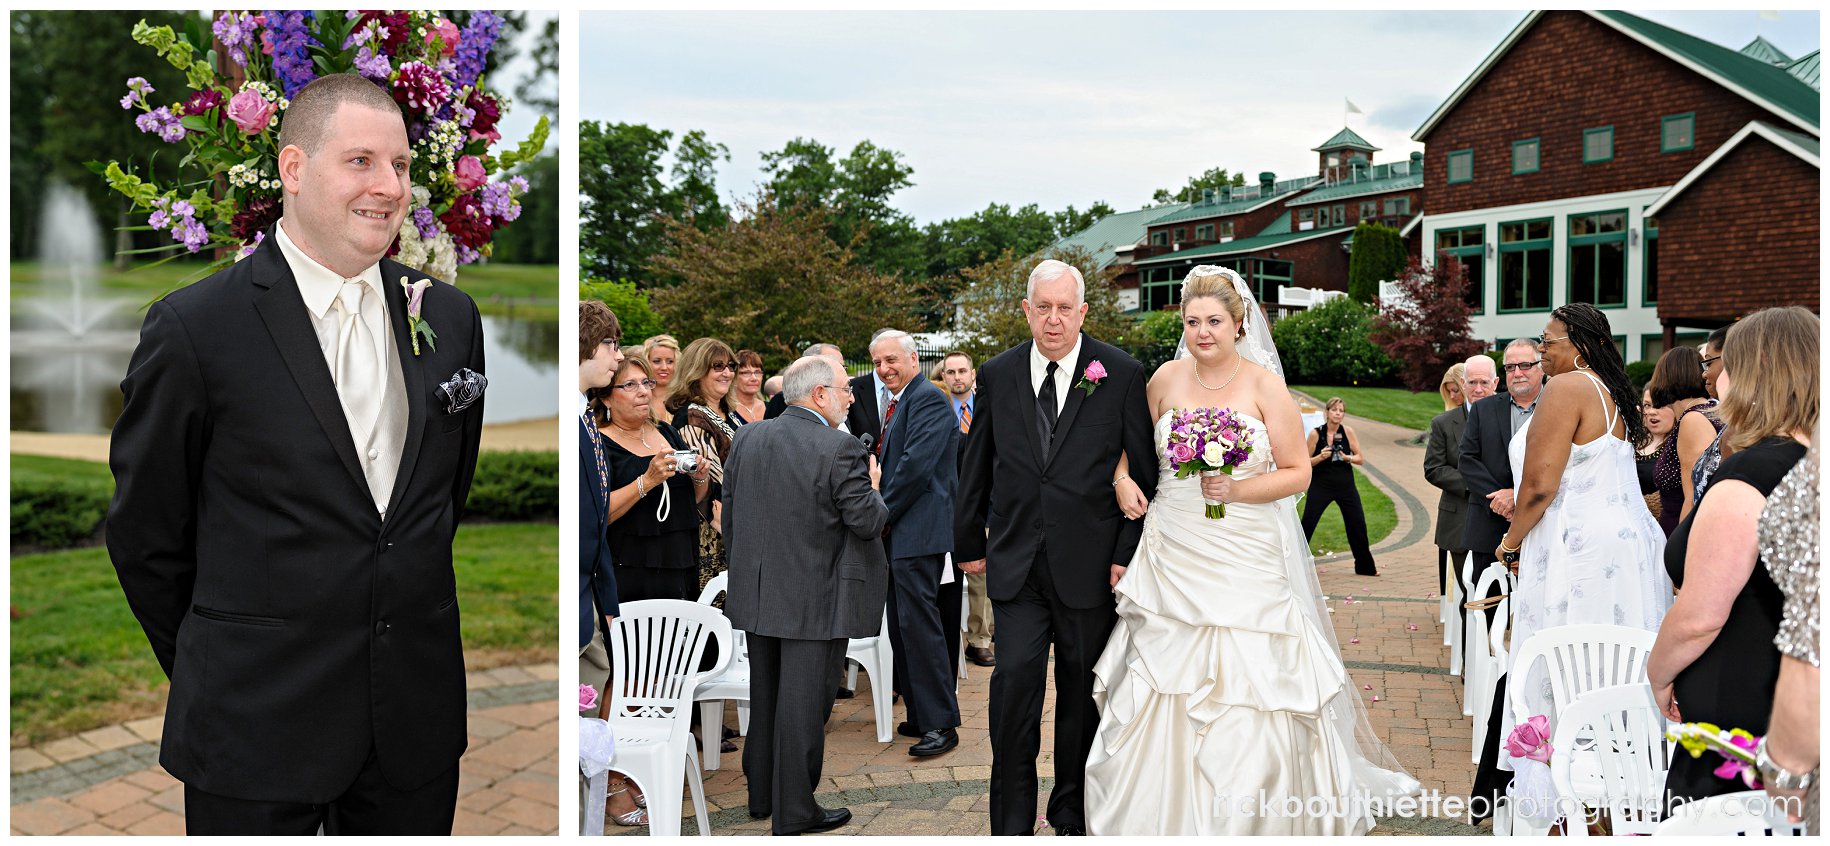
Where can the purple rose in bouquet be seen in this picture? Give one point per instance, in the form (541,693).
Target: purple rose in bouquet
(1208,440)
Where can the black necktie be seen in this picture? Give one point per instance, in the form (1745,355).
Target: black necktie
(1046,405)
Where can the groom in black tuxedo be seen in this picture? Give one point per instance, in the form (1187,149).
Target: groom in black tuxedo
(289,474)
(1036,514)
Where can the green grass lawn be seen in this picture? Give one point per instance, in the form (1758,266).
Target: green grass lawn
(1396,406)
(1381,516)
(529,291)
(80,661)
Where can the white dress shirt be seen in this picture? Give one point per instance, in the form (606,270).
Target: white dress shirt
(379,451)
(1064,375)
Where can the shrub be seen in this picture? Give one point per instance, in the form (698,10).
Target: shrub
(1378,256)
(57,502)
(1425,325)
(1329,345)
(1154,341)
(629,304)
(1640,372)
(515,486)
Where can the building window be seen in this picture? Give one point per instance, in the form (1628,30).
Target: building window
(1305,219)
(1339,214)
(1181,234)
(1369,209)
(1158,288)
(1650,286)
(1204,232)
(1598,145)
(1525,265)
(1525,156)
(1677,133)
(1268,275)
(1461,166)
(1598,259)
(1466,247)
(1159,238)
(1397,206)
(1226,230)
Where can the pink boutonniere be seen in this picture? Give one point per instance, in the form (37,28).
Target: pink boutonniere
(416,325)
(1091,377)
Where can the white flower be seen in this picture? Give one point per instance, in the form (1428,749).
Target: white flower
(1211,454)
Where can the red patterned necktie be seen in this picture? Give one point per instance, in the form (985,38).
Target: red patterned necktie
(888,415)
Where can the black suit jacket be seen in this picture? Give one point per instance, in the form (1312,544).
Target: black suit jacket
(1063,500)
(1442,467)
(920,459)
(1485,468)
(299,630)
(596,575)
(865,417)
(775,406)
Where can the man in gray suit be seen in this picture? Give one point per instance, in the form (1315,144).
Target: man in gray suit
(1442,468)
(803,522)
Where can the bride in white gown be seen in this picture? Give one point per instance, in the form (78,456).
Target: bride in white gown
(1221,691)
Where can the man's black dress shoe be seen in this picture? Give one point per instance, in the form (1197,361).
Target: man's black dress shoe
(935,742)
(982,656)
(1069,831)
(844,693)
(759,815)
(907,729)
(829,819)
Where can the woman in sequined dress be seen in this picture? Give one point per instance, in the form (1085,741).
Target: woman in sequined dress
(1789,546)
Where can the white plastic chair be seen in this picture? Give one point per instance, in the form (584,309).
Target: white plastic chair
(877,659)
(655,648)
(1749,812)
(1447,606)
(1495,576)
(1452,635)
(1609,752)
(965,624)
(1486,655)
(733,683)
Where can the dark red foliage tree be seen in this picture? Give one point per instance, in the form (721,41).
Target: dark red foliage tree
(1425,328)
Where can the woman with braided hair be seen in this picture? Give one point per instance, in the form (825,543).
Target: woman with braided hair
(1582,542)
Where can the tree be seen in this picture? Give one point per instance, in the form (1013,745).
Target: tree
(1328,345)
(991,315)
(619,174)
(961,242)
(1378,256)
(627,302)
(534,239)
(1426,327)
(1212,179)
(1071,222)
(772,281)
(695,174)
(537,90)
(854,194)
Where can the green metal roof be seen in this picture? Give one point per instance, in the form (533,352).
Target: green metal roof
(1115,230)
(1276,234)
(1346,138)
(1771,85)
(1808,142)
(1380,184)
(1763,50)
(1238,205)
(1805,69)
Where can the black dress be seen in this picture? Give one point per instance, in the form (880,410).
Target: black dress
(654,559)
(1731,683)
(1332,482)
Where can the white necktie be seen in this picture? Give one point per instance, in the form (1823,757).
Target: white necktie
(358,370)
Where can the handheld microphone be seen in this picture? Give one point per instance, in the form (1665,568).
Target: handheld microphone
(870,443)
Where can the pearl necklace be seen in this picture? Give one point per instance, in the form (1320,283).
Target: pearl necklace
(1229,379)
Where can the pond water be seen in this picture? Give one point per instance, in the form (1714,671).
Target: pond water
(65,383)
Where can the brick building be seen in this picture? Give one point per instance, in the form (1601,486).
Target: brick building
(1550,185)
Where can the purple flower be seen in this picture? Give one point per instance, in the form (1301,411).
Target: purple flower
(288,39)
(236,32)
(137,89)
(519,183)
(498,202)
(420,88)
(426,222)
(467,255)
(250,248)
(162,122)
(202,101)
(1181,453)
(372,65)
(473,46)
(159,219)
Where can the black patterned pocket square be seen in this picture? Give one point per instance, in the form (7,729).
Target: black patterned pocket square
(461,390)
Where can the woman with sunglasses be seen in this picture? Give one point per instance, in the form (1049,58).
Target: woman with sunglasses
(700,401)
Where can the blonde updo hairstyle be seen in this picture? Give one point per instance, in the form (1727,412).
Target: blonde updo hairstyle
(1220,287)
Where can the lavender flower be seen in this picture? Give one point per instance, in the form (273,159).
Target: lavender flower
(372,64)
(178,217)
(288,36)
(162,122)
(426,222)
(473,46)
(498,202)
(137,89)
(236,32)
(466,255)
(251,247)
(519,183)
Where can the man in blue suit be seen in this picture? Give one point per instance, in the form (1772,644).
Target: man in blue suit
(599,353)
(919,455)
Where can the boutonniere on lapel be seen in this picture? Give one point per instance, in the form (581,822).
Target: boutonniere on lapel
(1091,377)
(416,293)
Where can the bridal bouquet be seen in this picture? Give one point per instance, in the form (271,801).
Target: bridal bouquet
(1208,440)
(1736,746)
(242,71)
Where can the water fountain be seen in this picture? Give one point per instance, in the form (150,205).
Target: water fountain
(70,342)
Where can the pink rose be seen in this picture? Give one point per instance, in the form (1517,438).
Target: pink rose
(1181,453)
(445,32)
(1531,739)
(470,175)
(251,111)
(1095,372)
(587,697)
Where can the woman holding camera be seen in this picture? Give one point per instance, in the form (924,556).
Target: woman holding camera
(1333,452)
(654,521)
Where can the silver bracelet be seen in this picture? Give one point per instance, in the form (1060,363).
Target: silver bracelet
(641,486)
(1120,479)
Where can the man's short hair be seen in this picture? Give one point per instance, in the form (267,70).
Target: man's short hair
(805,374)
(820,349)
(906,340)
(1475,361)
(595,323)
(951,354)
(1052,269)
(1526,343)
(309,115)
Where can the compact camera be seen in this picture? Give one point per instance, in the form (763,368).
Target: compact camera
(686,460)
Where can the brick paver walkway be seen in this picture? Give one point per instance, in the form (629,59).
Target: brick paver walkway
(108,781)
(1418,711)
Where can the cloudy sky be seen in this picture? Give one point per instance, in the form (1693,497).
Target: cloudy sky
(1057,108)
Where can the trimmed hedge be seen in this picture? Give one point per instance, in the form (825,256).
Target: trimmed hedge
(59,503)
(1640,372)
(1329,344)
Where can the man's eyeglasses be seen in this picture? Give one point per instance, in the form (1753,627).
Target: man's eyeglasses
(614,344)
(1520,367)
(727,365)
(633,384)
(846,387)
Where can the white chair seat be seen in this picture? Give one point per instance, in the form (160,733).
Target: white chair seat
(1749,812)
(877,658)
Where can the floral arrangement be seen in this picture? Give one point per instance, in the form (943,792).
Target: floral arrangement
(1208,440)
(229,127)
(1736,746)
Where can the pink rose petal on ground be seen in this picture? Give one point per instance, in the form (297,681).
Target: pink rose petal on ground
(1350,599)
(1353,640)
(1366,687)
(1375,699)
(1410,626)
